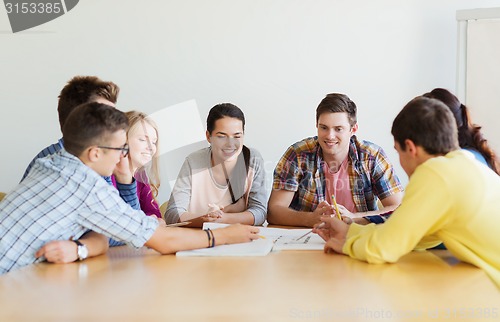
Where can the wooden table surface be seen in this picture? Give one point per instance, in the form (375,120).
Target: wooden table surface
(141,285)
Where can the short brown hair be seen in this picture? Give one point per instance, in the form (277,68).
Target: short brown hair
(337,103)
(82,89)
(429,123)
(91,124)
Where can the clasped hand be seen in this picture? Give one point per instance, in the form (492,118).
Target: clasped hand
(215,214)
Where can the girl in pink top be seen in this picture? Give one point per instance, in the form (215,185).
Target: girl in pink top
(143,144)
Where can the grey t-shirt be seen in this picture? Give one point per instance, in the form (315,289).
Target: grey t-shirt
(201,160)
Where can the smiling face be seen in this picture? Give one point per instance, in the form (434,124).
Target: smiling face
(142,141)
(334,133)
(226,139)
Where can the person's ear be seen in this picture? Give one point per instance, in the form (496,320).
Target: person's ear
(410,147)
(93,153)
(354,129)
(207,134)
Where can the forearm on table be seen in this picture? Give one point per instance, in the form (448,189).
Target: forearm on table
(281,215)
(96,243)
(245,217)
(168,240)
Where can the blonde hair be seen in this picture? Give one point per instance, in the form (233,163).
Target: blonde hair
(149,173)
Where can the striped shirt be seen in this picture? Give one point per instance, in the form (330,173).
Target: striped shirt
(371,175)
(61,199)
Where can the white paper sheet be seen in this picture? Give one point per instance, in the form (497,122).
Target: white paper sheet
(285,239)
(258,247)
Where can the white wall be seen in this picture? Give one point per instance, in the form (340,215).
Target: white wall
(483,77)
(276,59)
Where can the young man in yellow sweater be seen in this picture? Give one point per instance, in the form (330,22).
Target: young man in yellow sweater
(450,198)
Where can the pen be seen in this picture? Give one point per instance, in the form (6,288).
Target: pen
(336,207)
(310,231)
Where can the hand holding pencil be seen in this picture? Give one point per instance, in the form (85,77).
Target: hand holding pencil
(333,231)
(320,207)
(334,202)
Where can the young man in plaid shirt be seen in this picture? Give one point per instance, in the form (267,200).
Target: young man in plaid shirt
(333,163)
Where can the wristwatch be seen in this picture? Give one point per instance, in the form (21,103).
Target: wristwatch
(82,250)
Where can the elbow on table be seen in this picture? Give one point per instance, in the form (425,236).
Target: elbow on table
(382,259)
(259,216)
(273,212)
(271,217)
(163,249)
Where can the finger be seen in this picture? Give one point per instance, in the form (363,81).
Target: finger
(327,249)
(48,247)
(59,256)
(213,207)
(324,205)
(213,214)
(254,230)
(327,211)
(254,236)
(40,252)
(347,220)
(323,234)
(328,220)
(52,256)
(320,224)
(343,210)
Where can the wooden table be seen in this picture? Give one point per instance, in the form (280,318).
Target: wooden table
(141,285)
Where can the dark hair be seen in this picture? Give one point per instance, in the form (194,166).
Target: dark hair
(91,124)
(428,123)
(469,134)
(337,103)
(236,183)
(82,89)
(224,110)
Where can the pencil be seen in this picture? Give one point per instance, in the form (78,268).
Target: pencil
(336,207)
(310,231)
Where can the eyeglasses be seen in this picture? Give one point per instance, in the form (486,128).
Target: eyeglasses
(124,150)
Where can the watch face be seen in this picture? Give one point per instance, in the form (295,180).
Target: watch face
(83,252)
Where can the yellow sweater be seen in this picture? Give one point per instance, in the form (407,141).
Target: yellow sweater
(453,199)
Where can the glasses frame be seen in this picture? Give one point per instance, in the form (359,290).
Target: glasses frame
(125,149)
